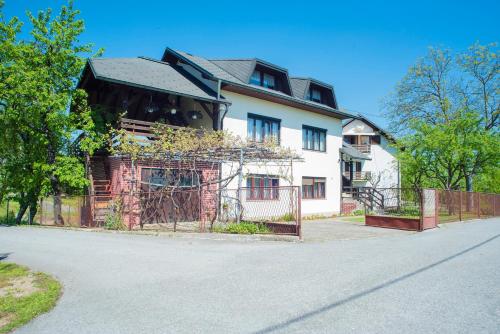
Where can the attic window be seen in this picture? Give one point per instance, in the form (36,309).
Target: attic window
(266,80)
(314,95)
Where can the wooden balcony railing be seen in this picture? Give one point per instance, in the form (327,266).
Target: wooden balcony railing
(141,128)
(146,129)
(358,176)
(366,148)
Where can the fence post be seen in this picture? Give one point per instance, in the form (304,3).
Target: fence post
(299,213)
(436,207)
(478,205)
(421,223)
(41,211)
(460,205)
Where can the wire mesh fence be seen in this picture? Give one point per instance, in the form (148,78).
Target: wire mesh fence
(404,202)
(8,212)
(273,210)
(420,209)
(460,205)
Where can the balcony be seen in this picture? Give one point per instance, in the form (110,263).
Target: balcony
(365,148)
(358,176)
(141,128)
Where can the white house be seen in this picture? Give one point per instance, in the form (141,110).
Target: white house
(302,113)
(253,99)
(374,164)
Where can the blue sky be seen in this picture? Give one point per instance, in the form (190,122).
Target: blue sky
(363,48)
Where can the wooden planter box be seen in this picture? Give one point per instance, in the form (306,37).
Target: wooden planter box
(400,223)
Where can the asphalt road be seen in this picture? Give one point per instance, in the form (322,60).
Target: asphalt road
(445,280)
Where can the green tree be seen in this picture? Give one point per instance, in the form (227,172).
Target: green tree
(446,112)
(442,155)
(38,79)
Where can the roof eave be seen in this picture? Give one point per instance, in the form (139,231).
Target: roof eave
(328,111)
(190,62)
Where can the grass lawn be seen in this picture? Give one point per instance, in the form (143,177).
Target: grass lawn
(352,219)
(13,208)
(24,295)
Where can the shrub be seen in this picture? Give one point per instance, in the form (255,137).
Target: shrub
(11,221)
(358,212)
(287,217)
(113,219)
(243,228)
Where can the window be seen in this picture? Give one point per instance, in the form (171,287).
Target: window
(314,95)
(260,78)
(157,178)
(261,128)
(313,187)
(255,79)
(375,139)
(364,140)
(350,139)
(313,139)
(268,81)
(262,187)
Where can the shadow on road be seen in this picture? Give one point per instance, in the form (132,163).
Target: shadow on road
(363,293)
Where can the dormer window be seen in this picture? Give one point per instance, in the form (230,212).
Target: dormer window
(314,95)
(263,79)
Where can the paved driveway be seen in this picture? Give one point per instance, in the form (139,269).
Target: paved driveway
(337,229)
(440,281)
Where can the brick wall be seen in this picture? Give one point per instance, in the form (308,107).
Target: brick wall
(122,174)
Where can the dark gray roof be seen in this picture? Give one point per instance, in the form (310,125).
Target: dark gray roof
(241,69)
(216,71)
(150,74)
(353,153)
(299,87)
(208,66)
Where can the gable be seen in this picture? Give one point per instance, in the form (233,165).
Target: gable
(357,127)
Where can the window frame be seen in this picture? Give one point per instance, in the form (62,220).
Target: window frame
(262,76)
(262,192)
(254,118)
(314,131)
(311,95)
(313,193)
(195,178)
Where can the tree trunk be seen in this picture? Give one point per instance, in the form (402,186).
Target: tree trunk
(468,188)
(468,183)
(22,210)
(58,219)
(33,211)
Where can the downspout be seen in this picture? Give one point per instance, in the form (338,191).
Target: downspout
(218,89)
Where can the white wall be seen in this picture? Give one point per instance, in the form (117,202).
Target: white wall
(316,164)
(358,127)
(383,161)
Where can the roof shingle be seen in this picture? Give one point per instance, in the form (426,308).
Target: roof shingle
(148,73)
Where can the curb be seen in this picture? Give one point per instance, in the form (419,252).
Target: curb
(185,235)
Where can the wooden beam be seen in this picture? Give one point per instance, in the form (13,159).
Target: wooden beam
(207,109)
(216,120)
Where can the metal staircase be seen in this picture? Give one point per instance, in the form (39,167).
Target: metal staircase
(371,198)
